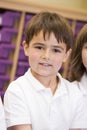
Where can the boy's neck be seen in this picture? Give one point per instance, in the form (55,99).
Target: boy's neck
(48,82)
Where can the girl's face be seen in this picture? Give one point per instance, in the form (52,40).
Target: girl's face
(45,56)
(84,55)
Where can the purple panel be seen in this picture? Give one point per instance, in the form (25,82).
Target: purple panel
(3,80)
(4,65)
(79,25)
(8,18)
(6,34)
(22,68)
(27,18)
(22,56)
(5,50)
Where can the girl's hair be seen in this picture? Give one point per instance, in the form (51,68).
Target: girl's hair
(77,68)
(49,22)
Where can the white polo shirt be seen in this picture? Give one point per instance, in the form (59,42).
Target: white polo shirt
(27,101)
(2,117)
(82,84)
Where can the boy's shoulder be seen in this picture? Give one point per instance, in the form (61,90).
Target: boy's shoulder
(19,82)
(70,87)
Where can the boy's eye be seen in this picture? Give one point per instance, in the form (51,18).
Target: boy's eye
(56,50)
(39,47)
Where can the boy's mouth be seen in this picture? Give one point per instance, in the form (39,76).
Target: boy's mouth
(45,64)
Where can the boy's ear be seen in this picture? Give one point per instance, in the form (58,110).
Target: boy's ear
(25,46)
(67,55)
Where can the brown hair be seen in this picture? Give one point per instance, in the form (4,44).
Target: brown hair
(49,22)
(77,68)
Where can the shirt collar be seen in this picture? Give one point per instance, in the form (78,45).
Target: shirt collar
(83,84)
(61,89)
(35,83)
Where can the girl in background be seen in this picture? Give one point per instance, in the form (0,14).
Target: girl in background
(78,60)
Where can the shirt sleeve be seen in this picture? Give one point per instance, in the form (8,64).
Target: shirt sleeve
(80,117)
(16,111)
(2,117)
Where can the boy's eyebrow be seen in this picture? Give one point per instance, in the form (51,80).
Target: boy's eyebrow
(58,47)
(38,43)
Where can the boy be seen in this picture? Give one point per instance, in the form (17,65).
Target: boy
(41,99)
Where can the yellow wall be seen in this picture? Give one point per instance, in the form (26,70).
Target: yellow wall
(69,4)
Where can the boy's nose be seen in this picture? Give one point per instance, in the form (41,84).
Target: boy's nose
(46,54)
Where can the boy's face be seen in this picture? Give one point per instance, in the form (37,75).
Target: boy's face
(45,56)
